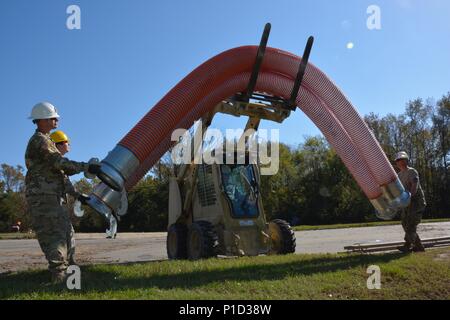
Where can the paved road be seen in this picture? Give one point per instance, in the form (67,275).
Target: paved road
(18,255)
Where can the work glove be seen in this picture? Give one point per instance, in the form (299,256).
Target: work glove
(83,198)
(77,210)
(94,168)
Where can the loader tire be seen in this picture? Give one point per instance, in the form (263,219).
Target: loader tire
(177,241)
(282,237)
(202,241)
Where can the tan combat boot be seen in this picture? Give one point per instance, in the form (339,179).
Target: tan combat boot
(418,246)
(406,248)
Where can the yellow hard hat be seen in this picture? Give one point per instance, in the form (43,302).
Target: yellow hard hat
(59,136)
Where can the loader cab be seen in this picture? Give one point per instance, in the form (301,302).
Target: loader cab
(217,209)
(241,189)
(228,192)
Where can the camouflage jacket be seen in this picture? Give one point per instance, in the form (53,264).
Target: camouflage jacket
(69,188)
(408,177)
(47,168)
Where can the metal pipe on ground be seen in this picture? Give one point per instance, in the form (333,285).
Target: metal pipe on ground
(388,246)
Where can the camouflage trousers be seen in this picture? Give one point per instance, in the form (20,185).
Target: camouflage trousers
(410,221)
(51,223)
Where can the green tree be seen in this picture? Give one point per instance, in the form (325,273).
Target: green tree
(12,209)
(279,192)
(12,178)
(441,173)
(148,206)
(12,199)
(91,221)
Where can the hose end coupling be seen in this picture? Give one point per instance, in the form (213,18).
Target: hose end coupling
(118,166)
(394,197)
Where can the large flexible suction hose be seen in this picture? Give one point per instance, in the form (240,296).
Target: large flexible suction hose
(228,73)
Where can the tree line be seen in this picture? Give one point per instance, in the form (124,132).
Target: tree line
(312,186)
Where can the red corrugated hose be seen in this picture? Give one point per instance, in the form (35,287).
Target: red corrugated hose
(227,74)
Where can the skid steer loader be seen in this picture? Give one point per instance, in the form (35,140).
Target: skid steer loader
(217,209)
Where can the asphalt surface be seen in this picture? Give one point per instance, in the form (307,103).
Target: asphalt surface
(18,255)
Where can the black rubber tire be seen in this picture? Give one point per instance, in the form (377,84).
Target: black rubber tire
(202,241)
(286,241)
(177,241)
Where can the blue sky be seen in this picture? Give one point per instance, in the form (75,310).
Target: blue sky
(128,54)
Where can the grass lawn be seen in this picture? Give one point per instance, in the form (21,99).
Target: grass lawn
(359,225)
(16,235)
(9,236)
(332,276)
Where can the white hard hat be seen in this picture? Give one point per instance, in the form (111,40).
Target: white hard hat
(44,110)
(401,155)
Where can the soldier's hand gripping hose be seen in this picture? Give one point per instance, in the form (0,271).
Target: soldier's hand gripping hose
(94,168)
(83,198)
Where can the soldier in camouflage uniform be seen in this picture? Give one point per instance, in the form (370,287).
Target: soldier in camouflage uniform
(412,215)
(45,190)
(62,144)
